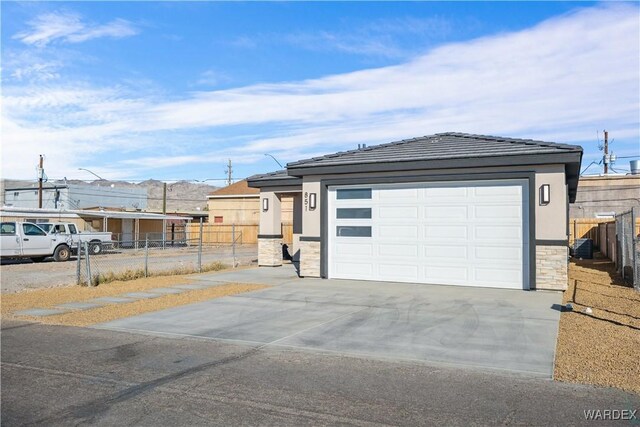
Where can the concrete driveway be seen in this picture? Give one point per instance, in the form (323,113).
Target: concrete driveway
(482,328)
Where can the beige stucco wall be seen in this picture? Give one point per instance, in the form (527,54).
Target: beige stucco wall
(551,219)
(270,220)
(245,210)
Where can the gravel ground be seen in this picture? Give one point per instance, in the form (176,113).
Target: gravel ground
(17,276)
(47,298)
(601,348)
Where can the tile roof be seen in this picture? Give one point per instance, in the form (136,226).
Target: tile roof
(239,188)
(441,146)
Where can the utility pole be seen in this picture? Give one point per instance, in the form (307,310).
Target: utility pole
(164,198)
(606,152)
(229,173)
(40,179)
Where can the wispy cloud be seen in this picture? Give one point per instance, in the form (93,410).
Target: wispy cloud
(560,81)
(70,28)
(391,38)
(212,78)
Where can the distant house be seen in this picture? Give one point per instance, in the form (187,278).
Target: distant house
(602,196)
(76,196)
(240,204)
(126,226)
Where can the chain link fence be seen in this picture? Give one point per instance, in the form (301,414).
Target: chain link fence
(628,247)
(126,259)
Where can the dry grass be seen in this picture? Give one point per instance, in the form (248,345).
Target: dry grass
(118,311)
(602,348)
(139,273)
(52,297)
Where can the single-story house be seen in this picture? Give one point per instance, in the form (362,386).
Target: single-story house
(240,204)
(449,208)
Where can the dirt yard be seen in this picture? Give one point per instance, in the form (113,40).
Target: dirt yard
(601,348)
(48,298)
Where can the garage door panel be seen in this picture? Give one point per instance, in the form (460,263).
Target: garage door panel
(457,233)
(498,191)
(398,212)
(398,231)
(498,212)
(355,269)
(498,233)
(446,212)
(457,252)
(499,254)
(446,232)
(446,193)
(398,250)
(398,193)
(398,271)
(354,249)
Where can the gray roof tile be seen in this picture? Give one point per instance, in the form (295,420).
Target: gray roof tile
(450,145)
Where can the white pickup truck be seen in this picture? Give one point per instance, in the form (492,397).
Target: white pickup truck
(27,240)
(98,241)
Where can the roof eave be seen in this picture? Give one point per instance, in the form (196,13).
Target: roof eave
(468,162)
(262,182)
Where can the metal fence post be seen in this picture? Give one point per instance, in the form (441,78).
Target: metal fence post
(634,250)
(146,257)
(88,260)
(79,254)
(200,248)
(233,244)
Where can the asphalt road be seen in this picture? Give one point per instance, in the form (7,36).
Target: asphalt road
(54,375)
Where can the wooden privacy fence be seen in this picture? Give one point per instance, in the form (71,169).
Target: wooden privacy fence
(601,230)
(224,233)
(587,228)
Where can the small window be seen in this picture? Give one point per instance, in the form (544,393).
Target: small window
(8,228)
(217,219)
(73,229)
(347,231)
(353,193)
(32,230)
(348,213)
(16,194)
(45,227)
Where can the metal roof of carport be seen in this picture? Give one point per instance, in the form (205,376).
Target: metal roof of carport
(439,151)
(87,213)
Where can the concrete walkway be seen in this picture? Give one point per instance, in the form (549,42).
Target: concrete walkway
(461,326)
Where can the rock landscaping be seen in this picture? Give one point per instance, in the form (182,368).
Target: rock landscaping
(599,339)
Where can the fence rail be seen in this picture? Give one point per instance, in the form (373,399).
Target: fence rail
(131,259)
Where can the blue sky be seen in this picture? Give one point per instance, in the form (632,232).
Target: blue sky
(171,90)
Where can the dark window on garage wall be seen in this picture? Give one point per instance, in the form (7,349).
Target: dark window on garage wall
(347,213)
(353,193)
(217,219)
(349,231)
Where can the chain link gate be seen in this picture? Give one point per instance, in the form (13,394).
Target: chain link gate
(628,247)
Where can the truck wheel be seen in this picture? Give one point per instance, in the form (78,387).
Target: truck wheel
(38,259)
(62,253)
(95,248)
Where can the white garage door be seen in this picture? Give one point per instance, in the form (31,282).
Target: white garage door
(453,233)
